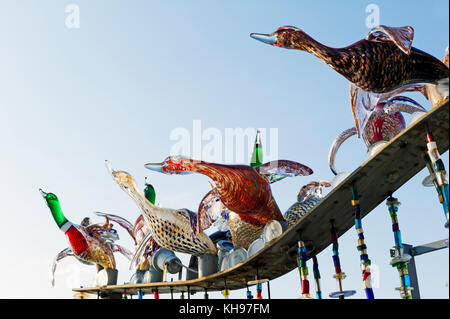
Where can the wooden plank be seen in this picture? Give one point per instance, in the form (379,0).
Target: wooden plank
(375,179)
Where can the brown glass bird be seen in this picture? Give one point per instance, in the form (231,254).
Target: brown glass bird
(380,63)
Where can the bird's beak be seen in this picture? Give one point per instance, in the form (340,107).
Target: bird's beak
(44,194)
(266,38)
(110,169)
(157,167)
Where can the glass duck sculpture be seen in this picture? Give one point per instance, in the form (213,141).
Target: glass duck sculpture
(380,63)
(139,230)
(378,118)
(243,189)
(172,229)
(212,210)
(308,197)
(89,244)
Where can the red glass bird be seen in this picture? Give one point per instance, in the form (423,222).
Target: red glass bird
(243,189)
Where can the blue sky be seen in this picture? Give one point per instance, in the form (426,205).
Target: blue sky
(134,71)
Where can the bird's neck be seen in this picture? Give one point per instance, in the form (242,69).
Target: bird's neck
(222,175)
(57,213)
(307,43)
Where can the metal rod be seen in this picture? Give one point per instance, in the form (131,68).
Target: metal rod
(415,293)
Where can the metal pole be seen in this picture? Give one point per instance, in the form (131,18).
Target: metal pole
(412,272)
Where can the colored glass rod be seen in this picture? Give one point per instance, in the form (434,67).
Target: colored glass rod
(400,260)
(362,247)
(303,269)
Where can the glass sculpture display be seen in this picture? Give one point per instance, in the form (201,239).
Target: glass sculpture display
(173,229)
(242,189)
(382,62)
(378,118)
(308,197)
(89,243)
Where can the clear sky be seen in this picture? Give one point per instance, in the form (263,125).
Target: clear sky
(118,86)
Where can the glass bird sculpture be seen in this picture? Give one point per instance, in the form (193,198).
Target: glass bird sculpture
(308,197)
(243,189)
(378,118)
(89,243)
(380,63)
(172,229)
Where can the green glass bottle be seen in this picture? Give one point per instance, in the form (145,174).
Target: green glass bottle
(257,156)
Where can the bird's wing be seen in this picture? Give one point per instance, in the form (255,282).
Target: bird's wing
(341,138)
(139,257)
(210,210)
(122,250)
(277,170)
(362,104)
(402,37)
(121,221)
(403,104)
(64,253)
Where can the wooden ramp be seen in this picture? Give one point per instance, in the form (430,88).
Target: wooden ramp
(375,179)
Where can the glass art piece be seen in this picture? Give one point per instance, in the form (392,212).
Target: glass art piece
(308,197)
(382,62)
(362,247)
(89,243)
(242,189)
(213,211)
(378,118)
(173,229)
